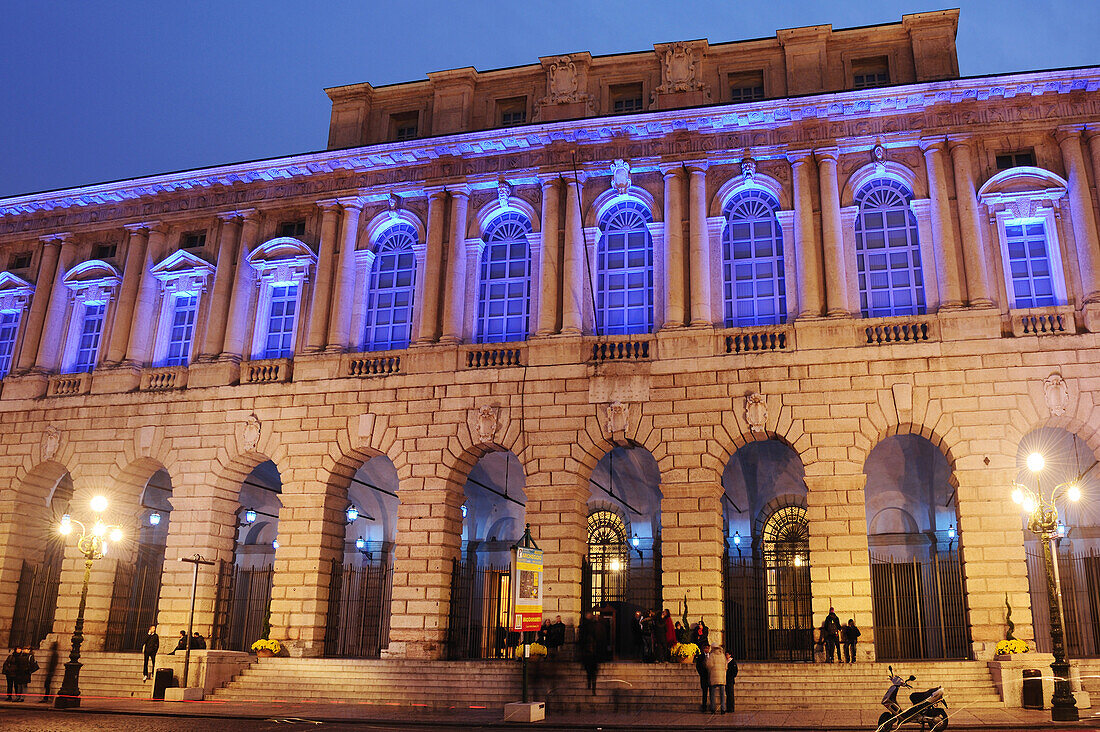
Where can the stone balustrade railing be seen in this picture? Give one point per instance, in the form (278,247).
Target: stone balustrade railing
(482,357)
(164,379)
(361,365)
(904,329)
(1057,320)
(759,340)
(268,371)
(68,384)
(626,348)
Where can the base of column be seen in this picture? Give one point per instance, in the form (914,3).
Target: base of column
(1090,315)
(449,340)
(213,373)
(31,385)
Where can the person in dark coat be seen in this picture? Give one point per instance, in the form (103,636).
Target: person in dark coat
(555,636)
(700,634)
(11,672)
(591,640)
(543,635)
(149,650)
(181,644)
(30,665)
(830,632)
(704,675)
(731,674)
(850,634)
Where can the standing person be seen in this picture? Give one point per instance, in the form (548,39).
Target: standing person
(149,650)
(700,634)
(555,636)
(590,647)
(851,634)
(650,637)
(30,665)
(637,634)
(543,635)
(51,669)
(669,634)
(704,675)
(717,660)
(731,674)
(830,631)
(11,671)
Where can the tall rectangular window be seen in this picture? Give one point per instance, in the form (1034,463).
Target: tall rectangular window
(9,329)
(870,72)
(292,228)
(747,86)
(182,330)
(91,328)
(1029,265)
(626,98)
(280,322)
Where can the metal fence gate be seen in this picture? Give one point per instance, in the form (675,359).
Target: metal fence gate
(35,603)
(919,608)
(358,621)
(134,600)
(241,608)
(480,614)
(1079,576)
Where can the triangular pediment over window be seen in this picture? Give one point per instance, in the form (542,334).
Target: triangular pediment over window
(183,270)
(15,292)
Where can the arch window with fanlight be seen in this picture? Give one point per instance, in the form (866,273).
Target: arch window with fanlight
(390,290)
(504,281)
(888,260)
(624,270)
(754,288)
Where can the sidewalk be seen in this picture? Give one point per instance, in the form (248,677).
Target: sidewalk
(422,715)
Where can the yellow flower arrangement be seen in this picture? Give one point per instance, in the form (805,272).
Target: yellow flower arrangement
(267,645)
(685,650)
(1007,647)
(538,649)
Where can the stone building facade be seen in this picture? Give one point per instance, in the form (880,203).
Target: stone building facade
(918,256)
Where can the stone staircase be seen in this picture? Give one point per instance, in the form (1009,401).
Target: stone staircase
(103,675)
(624,686)
(1090,676)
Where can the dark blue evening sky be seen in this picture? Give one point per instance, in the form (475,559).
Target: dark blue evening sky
(97,91)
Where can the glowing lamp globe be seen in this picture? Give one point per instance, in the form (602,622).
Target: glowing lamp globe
(66,526)
(1018,497)
(360,543)
(1035,462)
(1074,492)
(616,565)
(116,535)
(99,504)
(737,538)
(250,516)
(275,544)
(352,513)
(154,519)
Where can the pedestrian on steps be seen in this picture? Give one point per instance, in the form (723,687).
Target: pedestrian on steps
(11,671)
(149,650)
(850,634)
(591,641)
(717,661)
(704,675)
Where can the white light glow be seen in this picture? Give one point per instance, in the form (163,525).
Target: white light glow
(1017,496)
(1029,504)
(154,519)
(99,504)
(275,544)
(616,565)
(99,529)
(798,560)
(66,526)
(1074,492)
(116,535)
(1035,462)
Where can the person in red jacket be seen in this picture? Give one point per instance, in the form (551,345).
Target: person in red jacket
(670,632)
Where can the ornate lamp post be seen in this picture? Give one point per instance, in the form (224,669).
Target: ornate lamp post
(93,544)
(1043,522)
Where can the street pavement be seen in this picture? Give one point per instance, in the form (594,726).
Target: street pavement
(97,714)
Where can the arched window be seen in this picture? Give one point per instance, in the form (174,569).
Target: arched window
(504,289)
(608,557)
(752,261)
(390,294)
(888,252)
(624,271)
(786,549)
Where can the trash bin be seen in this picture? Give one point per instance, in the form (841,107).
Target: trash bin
(162,679)
(1033,688)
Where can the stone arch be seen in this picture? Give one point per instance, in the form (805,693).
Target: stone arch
(612,196)
(769,509)
(33,501)
(380,223)
(888,170)
(593,442)
(493,208)
(1079,419)
(739,183)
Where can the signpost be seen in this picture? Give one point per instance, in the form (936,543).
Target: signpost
(526,615)
(186,693)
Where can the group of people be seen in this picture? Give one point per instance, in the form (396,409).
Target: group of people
(18,667)
(551,635)
(655,635)
(832,636)
(717,669)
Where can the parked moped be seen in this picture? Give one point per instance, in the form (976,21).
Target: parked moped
(929,709)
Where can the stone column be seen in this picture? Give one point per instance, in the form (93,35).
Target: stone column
(139,348)
(840,565)
(836,279)
(429,529)
(1081,212)
(454,303)
(550,270)
(218,313)
(433,267)
(807,252)
(675,311)
(240,300)
(127,294)
(50,340)
(943,228)
(975,256)
(572,319)
(322,286)
(991,542)
(339,329)
(700,251)
(36,314)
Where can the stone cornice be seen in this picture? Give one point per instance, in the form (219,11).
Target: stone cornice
(721,132)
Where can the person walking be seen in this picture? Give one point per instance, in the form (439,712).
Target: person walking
(11,671)
(149,650)
(30,665)
(590,642)
(717,660)
(704,675)
(830,631)
(850,635)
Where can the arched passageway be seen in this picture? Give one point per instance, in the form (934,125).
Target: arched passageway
(1067,461)
(767,562)
(361,580)
(917,588)
(493,515)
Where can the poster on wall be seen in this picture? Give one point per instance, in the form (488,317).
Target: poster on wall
(526,589)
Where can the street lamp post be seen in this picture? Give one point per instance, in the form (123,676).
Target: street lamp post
(93,545)
(1043,522)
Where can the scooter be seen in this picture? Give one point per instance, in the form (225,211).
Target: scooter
(929,709)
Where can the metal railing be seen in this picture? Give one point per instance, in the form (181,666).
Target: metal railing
(242,605)
(35,603)
(1079,575)
(768,605)
(134,599)
(479,619)
(358,620)
(919,608)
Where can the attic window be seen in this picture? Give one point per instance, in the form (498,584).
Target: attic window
(1016,159)
(292,228)
(21,260)
(868,73)
(746,86)
(104,250)
(512,111)
(193,240)
(404,126)
(626,98)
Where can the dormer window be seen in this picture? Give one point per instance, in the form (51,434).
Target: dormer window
(868,73)
(1017,159)
(193,240)
(295,229)
(404,126)
(746,86)
(626,98)
(104,250)
(512,111)
(21,260)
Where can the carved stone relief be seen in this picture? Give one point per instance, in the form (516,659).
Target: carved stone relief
(250,435)
(756,412)
(51,440)
(488,421)
(504,191)
(617,420)
(1056,394)
(748,167)
(620,176)
(680,65)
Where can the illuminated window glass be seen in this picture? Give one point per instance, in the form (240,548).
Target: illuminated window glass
(1029,264)
(752,262)
(504,287)
(390,294)
(9,329)
(624,271)
(888,252)
(91,327)
(181,331)
(280,322)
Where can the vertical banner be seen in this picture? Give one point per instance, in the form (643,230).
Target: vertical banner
(526,589)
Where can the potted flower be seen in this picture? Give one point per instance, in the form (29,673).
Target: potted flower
(266,648)
(538,651)
(685,652)
(1011,647)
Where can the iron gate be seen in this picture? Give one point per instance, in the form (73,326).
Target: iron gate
(35,604)
(919,608)
(480,613)
(134,600)
(1079,576)
(358,622)
(242,606)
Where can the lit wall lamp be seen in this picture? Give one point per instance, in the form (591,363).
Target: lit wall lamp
(635,543)
(250,515)
(1061,529)
(275,544)
(351,513)
(154,519)
(361,546)
(737,542)
(951,536)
